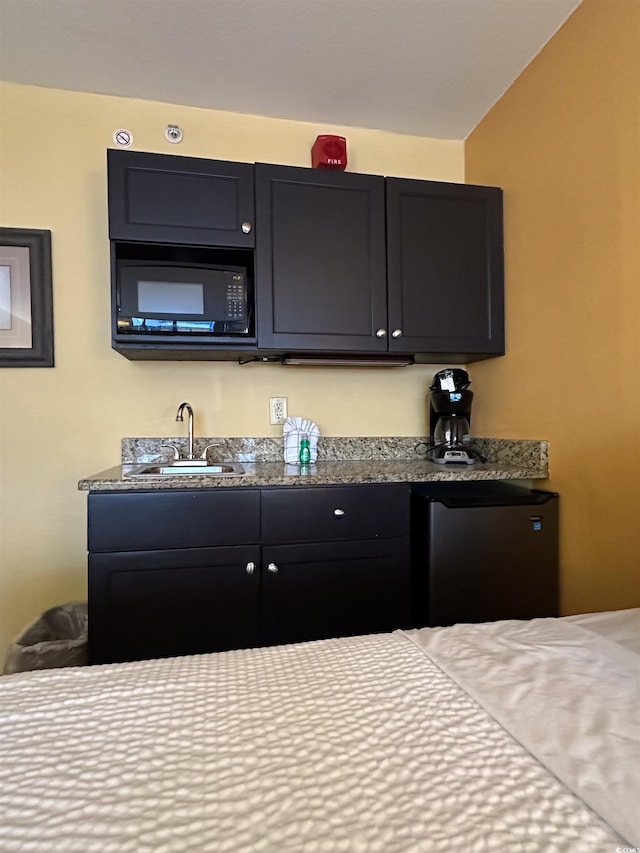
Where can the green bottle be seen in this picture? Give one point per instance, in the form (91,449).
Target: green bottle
(305,451)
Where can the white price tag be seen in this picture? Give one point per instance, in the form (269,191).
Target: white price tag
(446,381)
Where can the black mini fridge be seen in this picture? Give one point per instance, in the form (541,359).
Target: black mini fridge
(483,551)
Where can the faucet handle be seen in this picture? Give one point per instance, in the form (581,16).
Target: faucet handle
(176,452)
(203,455)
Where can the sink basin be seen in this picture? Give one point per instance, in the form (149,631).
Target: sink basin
(223,470)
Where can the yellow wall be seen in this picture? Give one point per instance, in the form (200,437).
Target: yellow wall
(564,143)
(59,425)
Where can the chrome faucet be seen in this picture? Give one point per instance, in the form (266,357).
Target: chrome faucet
(190,458)
(180,417)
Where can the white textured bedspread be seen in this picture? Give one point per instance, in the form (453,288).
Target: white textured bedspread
(360,745)
(570,695)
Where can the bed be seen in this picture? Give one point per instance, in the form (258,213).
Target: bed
(507,736)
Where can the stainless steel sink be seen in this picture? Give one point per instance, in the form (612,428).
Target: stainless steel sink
(222,470)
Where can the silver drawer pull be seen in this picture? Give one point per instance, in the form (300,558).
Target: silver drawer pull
(397,333)
(339,512)
(272,568)
(246,227)
(250,567)
(381,333)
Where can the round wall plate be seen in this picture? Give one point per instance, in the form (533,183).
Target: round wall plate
(174,133)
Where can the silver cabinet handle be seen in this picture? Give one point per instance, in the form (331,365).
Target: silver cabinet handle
(339,512)
(381,333)
(397,333)
(250,567)
(246,227)
(272,568)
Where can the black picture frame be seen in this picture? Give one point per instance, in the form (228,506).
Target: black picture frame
(40,353)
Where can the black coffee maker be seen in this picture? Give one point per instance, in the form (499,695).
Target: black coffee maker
(450,418)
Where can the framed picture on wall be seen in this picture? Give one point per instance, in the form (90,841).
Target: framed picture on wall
(26,299)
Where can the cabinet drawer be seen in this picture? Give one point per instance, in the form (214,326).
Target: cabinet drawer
(332,513)
(143,521)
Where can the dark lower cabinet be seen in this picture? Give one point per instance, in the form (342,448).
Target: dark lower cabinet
(311,592)
(174,572)
(150,604)
(335,561)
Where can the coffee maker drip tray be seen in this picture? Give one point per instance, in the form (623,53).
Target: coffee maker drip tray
(459,455)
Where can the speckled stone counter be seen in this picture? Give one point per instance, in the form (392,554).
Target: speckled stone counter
(345,461)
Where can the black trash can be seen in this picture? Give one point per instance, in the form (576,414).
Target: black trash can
(58,638)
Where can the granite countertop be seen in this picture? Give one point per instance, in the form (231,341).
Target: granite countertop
(345,461)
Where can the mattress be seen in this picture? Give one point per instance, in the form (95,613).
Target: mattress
(392,743)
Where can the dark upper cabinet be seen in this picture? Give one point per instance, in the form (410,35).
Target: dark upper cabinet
(320,260)
(445,268)
(182,200)
(350,263)
(341,263)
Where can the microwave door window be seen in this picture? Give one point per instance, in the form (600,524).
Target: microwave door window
(170,298)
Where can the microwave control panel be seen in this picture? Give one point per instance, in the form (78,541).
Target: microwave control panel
(236,297)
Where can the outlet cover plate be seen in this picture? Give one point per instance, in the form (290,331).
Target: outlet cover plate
(277,410)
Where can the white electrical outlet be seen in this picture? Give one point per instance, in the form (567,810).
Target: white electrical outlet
(277,410)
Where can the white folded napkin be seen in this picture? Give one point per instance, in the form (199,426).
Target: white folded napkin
(293,430)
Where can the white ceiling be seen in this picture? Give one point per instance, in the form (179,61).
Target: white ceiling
(424,67)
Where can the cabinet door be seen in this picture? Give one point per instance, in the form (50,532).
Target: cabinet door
(445,268)
(182,200)
(320,260)
(150,604)
(320,590)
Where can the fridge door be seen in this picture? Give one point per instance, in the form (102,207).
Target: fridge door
(492,562)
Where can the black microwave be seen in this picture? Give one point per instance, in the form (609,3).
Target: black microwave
(171,298)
